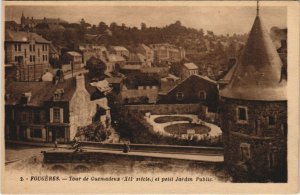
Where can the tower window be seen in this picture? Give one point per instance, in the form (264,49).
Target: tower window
(244,152)
(271,120)
(272,157)
(242,114)
(283,128)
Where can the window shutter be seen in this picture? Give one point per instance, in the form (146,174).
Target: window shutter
(61,114)
(51,115)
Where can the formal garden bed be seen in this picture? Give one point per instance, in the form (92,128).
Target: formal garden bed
(165,119)
(141,128)
(184,128)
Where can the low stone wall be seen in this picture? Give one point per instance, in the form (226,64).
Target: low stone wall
(99,157)
(165,108)
(160,148)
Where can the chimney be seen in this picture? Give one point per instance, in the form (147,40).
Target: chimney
(80,82)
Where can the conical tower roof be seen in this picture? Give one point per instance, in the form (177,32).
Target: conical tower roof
(258,72)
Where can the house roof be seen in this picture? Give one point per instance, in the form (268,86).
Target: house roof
(115,58)
(196,76)
(228,75)
(119,48)
(131,67)
(44,91)
(53,48)
(83,47)
(258,72)
(40,91)
(190,66)
(136,57)
(114,79)
(145,47)
(102,85)
(140,80)
(155,70)
(20,36)
(170,77)
(73,53)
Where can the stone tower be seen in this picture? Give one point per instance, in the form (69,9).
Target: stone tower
(254,112)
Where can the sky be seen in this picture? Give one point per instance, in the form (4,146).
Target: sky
(221,20)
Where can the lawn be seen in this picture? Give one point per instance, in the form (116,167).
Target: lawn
(166,119)
(182,128)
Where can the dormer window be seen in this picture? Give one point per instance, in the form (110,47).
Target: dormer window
(26,97)
(242,114)
(58,94)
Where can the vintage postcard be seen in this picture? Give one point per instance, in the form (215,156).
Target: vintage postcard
(150,97)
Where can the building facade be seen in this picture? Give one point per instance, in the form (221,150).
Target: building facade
(27,22)
(92,50)
(140,89)
(147,52)
(189,69)
(167,53)
(203,90)
(28,53)
(119,50)
(74,58)
(254,113)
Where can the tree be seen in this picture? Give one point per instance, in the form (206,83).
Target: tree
(201,32)
(82,22)
(96,68)
(113,26)
(102,27)
(178,23)
(84,25)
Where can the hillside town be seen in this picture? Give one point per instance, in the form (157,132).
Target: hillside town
(173,85)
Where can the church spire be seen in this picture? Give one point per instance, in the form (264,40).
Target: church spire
(257,7)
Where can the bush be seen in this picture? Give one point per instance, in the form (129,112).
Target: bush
(93,132)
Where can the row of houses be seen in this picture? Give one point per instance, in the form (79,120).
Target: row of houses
(48,111)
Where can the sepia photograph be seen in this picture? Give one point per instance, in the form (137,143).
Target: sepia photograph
(111,95)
